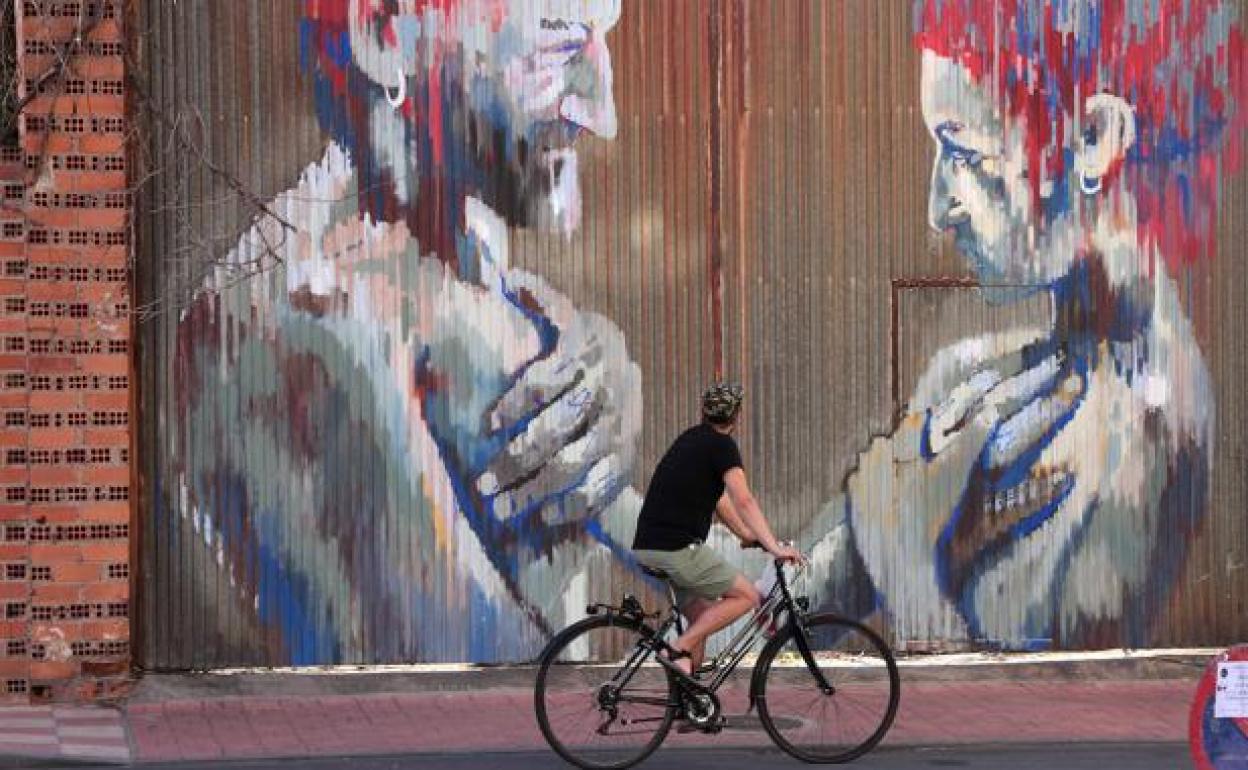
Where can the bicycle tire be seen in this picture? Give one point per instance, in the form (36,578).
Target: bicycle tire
(848,680)
(550,661)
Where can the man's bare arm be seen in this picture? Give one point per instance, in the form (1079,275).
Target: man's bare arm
(752,516)
(727,514)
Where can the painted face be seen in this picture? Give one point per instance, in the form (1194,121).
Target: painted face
(555,82)
(981,192)
(519,83)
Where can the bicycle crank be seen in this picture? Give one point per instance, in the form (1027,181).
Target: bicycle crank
(703,711)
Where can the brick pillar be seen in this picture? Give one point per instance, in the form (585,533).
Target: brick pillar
(66,375)
(14,395)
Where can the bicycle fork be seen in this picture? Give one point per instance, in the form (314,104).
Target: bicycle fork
(798,613)
(803,646)
(802,639)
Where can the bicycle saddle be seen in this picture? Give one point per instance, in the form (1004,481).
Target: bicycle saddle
(655,573)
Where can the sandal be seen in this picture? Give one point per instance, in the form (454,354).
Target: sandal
(672,654)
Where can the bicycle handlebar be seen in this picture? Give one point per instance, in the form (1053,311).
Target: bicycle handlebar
(755,544)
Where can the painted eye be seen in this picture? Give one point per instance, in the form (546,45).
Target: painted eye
(967,159)
(563,55)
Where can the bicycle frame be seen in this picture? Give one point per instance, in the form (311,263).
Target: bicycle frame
(777,608)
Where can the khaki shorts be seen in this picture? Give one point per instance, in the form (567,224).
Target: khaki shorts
(696,571)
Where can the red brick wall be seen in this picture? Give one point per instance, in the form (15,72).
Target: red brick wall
(65,366)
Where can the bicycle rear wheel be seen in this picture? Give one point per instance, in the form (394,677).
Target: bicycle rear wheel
(848,720)
(592,712)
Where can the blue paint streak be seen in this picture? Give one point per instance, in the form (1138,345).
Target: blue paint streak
(1185,195)
(307,33)
(285,604)
(1060,201)
(623,555)
(1089,43)
(341,53)
(483,636)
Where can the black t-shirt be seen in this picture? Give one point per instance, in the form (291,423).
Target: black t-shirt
(687,483)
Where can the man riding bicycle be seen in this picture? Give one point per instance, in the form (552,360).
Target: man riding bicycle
(618,711)
(701,474)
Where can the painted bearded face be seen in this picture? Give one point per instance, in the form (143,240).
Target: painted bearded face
(499,92)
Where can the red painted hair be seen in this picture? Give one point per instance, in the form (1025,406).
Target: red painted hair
(1180,63)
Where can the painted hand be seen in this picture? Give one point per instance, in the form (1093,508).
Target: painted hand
(908,487)
(571,418)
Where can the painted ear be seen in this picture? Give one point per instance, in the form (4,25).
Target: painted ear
(1108,132)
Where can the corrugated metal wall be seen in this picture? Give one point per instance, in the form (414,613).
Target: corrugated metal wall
(212,78)
(760,214)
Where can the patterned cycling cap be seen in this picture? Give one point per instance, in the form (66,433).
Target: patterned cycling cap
(721,401)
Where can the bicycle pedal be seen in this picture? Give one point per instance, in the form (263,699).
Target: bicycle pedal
(714,728)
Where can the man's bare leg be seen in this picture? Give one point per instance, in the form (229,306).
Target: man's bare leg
(692,611)
(737,601)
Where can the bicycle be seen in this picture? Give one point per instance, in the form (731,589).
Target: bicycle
(820,662)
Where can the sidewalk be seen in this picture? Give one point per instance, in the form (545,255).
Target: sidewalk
(944,701)
(63,732)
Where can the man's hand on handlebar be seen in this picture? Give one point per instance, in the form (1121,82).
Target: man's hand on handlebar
(788,553)
(783,551)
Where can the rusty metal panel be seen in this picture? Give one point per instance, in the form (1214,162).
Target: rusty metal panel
(405,376)
(208,83)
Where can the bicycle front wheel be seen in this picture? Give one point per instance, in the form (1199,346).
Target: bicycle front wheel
(601,699)
(851,716)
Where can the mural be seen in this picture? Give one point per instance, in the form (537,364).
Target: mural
(1044,483)
(416,439)
(460,430)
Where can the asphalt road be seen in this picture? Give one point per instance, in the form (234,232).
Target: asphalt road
(1074,757)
